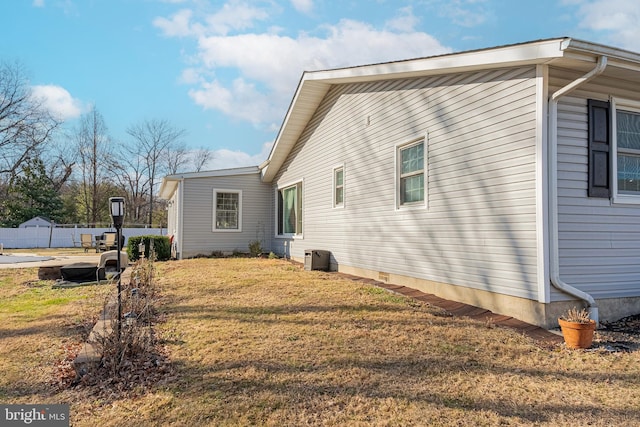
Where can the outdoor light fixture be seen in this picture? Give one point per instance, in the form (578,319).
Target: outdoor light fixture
(141,249)
(116,205)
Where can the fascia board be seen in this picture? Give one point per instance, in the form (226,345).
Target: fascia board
(524,54)
(594,50)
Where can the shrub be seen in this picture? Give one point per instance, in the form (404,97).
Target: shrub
(255,248)
(161,247)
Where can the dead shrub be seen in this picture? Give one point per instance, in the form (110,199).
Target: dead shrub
(132,358)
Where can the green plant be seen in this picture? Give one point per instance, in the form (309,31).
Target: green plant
(161,247)
(273,255)
(255,248)
(576,316)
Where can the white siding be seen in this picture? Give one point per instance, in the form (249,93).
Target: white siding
(198,235)
(479,228)
(599,241)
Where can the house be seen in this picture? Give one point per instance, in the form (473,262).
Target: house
(36,221)
(507,178)
(220,211)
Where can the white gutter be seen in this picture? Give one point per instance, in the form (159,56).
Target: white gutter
(554,264)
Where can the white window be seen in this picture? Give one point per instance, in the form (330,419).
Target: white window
(626,149)
(338,187)
(227,210)
(410,173)
(290,210)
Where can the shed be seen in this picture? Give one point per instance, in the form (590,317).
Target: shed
(37,221)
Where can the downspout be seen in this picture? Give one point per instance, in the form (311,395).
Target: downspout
(179,214)
(554,264)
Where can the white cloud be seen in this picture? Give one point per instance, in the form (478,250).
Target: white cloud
(466,13)
(226,159)
(304,6)
(190,76)
(58,101)
(275,63)
(38,3)
(241,100)
(250,75)
(618,18)
(177,26)
(233,16)
(406,21)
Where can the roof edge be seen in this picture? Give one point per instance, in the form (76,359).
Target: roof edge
(168,186)
(528,52)
(313,85)
(581,46)
(246,170)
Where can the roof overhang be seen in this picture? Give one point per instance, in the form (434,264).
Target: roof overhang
(561,52)
(170,182)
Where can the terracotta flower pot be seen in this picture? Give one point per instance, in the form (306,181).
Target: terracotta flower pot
(577,335)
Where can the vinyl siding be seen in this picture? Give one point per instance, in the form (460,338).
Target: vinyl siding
(599,241)
(198,234)
(479,227)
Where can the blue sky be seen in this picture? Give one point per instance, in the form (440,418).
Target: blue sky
(225,71)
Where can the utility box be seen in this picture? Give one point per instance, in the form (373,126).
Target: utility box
(315,259)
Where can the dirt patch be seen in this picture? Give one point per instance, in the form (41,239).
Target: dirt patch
(621,335)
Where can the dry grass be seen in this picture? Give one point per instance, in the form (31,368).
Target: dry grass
(262,342)
(38,327)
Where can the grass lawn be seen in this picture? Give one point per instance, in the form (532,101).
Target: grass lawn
(262,342)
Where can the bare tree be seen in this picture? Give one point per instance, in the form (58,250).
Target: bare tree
(154,137)
(95,161)
(60,158)
(200,158)
(25,125)
(132,177)
(176,158)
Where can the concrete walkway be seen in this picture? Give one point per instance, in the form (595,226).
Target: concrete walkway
(544,337)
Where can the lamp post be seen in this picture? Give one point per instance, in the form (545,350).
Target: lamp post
(116,205)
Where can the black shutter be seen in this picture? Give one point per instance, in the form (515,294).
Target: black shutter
(599,148)
(280,213)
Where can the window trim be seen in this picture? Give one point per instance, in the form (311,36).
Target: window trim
(335,187)
(215,229)
(634,107)
(423,204)
(299,211)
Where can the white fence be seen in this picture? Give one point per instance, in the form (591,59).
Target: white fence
(59,237)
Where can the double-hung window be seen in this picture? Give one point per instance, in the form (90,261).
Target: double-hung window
(338,187)
(290,210)
(627,124)
(227,210)
(411,190)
